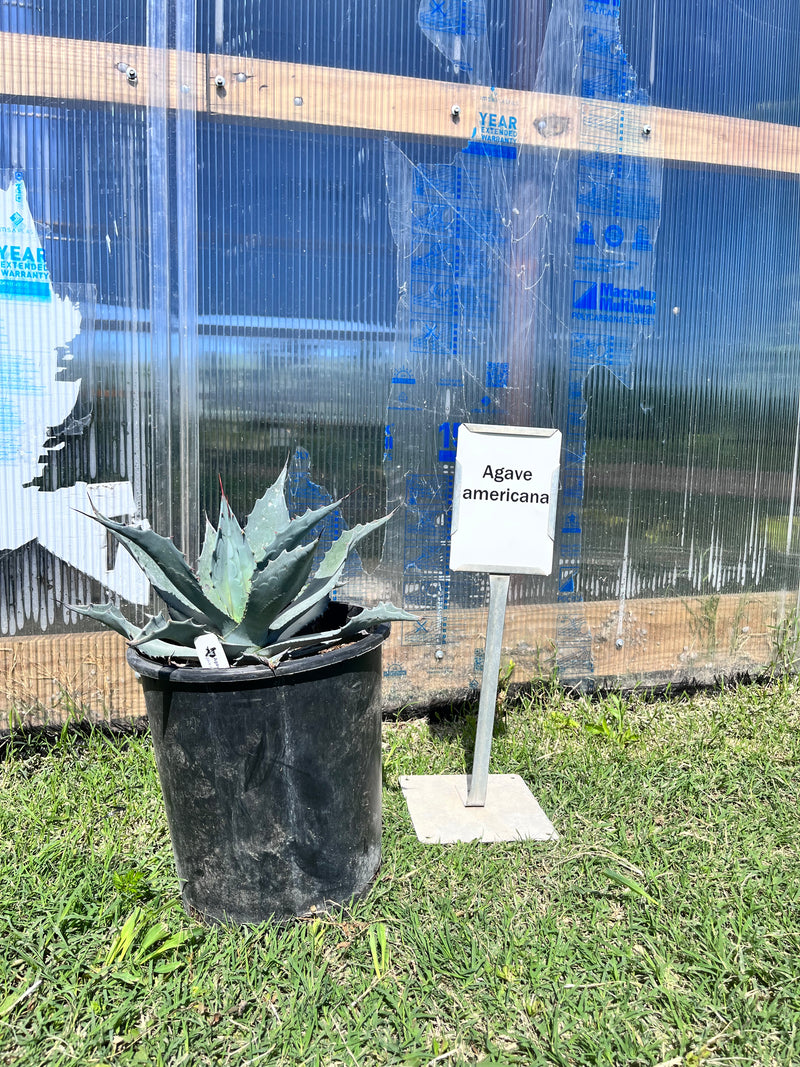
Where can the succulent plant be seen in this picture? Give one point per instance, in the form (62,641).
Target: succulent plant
(253,587)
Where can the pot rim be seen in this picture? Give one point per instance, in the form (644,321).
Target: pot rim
(235,676)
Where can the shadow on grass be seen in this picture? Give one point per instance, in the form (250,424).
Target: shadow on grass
(25,741)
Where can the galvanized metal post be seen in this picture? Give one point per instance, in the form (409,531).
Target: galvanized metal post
(498,595)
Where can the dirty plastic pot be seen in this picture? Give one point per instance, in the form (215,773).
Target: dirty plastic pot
(271,779)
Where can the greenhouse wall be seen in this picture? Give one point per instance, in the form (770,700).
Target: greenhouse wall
(236,234)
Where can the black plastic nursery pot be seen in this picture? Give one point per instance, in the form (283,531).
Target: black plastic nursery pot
(271,779)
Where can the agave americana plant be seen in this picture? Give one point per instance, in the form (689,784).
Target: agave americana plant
(253,587)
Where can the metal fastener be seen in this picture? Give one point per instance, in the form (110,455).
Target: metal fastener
(455,112)
(132,75)
(219,81)
(646,130)
(439,653)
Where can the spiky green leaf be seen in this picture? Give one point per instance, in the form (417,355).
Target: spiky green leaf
(340,549)
(109,616)
(279,603)
(272,589)
(324,581)
(365,620)
(232,564)
(204,560)
(384,611)
(165,650)
(155,622)
(182,632)
(167,570)
(295,533)
(274,652)
(318,605)
(269,515)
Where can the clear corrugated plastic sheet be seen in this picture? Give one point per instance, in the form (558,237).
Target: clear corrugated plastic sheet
(580,214)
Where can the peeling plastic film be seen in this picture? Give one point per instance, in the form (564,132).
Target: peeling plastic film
(458,29)
(467,231)
(519,276)
(600,249)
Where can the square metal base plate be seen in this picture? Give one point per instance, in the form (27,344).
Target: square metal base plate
(511,813)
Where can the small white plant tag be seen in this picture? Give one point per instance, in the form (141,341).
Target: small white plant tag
(210,651)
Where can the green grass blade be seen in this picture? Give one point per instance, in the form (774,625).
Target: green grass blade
(124,939)
(157,932)
(172,943)
(629,883)
(10,1002)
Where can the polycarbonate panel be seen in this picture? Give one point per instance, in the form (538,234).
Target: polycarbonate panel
(727,57)
(76,371)
(220,291)
(73,348)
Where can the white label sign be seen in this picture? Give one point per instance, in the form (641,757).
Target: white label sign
(210,651)
(504,499)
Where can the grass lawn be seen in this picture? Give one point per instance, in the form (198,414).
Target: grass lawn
(663,928)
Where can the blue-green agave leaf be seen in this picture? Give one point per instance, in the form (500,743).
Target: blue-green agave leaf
(302,610)
(167,571)
(175,633)
(232,564)
(272,589)
(204,560)
(256,603)
(269,515)
(318,605)
(384,611)
(295,533)
(108,615)
(365,620)
(275,651)
(336,555)
(157,649)
(155,622)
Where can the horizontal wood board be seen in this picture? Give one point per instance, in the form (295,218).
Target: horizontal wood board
(48,678)
(94,73)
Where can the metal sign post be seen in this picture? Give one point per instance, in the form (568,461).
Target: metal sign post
(498,596)
(504,509)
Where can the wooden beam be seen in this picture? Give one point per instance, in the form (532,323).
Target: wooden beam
(47,678)
(65,71)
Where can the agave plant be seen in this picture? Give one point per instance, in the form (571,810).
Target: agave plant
(253,587)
